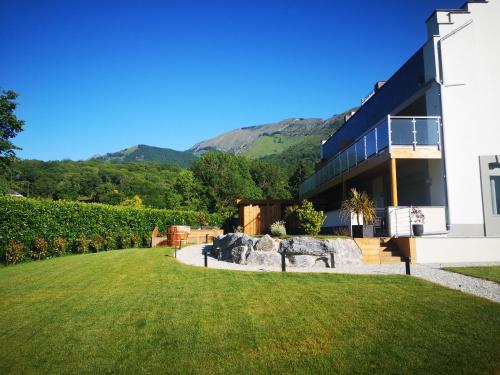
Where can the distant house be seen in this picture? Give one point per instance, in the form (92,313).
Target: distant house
(428,137)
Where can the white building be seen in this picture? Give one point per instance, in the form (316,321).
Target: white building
(428,137)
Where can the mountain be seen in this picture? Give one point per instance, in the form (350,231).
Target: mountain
(148,153)
(275,141)
(283,142)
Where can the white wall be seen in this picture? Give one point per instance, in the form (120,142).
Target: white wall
(399,221)
(470,92)
(336,219)
(456,250)
(437,182)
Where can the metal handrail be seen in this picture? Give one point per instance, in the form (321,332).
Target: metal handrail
(311,182)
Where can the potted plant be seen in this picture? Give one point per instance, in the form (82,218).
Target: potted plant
(417,219)
(359,203)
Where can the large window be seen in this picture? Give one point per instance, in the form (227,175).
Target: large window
(495,194)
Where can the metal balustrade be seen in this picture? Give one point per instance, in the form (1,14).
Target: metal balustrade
(392,131)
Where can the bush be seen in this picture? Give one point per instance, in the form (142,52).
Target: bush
(39,248)
(278,229)
(59,246)
(82,245)
(14,252)
(123,241)
(26,219)
(304,218)
(96,243)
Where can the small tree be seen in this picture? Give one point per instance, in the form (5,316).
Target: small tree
(10,126)
(358,203)
(305,218)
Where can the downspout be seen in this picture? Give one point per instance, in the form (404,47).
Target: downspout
(442,85)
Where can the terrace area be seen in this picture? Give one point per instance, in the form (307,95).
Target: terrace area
(395,137)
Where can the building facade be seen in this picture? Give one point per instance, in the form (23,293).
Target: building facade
(428,137)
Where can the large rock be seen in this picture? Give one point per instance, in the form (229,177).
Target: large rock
(230,240)
(346,252)
(306,246)
(306,261)
(224,244)
(264,258)
(266,243)
(240,254)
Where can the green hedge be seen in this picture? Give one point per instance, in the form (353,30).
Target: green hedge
(25,220)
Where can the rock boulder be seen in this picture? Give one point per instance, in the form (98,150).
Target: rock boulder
(264,258)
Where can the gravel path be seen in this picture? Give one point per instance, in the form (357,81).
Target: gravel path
(193,255)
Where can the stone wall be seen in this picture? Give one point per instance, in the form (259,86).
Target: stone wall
(300,252)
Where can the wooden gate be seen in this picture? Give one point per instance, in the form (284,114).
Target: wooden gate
(256,216)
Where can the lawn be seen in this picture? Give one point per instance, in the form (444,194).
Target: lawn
(487,272)
(139,311)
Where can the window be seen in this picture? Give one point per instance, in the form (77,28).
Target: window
(495,194)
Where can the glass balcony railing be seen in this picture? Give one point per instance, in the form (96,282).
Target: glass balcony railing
(392,131)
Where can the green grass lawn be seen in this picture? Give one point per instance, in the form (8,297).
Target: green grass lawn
(139,311)
(488,272)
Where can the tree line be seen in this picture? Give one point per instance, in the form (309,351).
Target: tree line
(211,183)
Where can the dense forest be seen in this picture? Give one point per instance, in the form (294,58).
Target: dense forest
(211,183)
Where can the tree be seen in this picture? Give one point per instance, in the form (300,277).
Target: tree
(134,201)
(10,126)
(225,178)
(270,179)
(299,175)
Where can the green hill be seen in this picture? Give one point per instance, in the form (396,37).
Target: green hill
(148,153)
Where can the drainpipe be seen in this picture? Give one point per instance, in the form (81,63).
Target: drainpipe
(442,85)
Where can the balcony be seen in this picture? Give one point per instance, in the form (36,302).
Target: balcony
(394,137)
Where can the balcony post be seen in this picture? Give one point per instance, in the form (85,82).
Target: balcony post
(414,131)
(376,141)
(389,131)
(394,183)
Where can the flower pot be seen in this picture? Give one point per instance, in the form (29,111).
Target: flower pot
(362,231)
(418,229)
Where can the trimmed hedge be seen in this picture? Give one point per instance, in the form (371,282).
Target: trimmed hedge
(27,219)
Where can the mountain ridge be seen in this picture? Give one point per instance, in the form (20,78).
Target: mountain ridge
(285,140)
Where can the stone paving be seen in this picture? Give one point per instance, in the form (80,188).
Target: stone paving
(193,255)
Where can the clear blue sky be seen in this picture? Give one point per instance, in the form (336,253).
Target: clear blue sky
(99,76)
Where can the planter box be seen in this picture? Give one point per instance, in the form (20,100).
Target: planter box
(362,231)
(418,229)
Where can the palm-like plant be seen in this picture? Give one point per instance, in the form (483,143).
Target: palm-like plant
(358,203)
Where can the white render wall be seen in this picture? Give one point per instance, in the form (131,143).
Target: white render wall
(336,219)
(399,221)
(470,95)
(456,250)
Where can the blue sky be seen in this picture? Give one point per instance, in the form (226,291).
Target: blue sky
(99,76)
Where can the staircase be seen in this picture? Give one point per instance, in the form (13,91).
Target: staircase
(378,250)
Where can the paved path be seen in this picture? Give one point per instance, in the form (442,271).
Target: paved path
(193,255)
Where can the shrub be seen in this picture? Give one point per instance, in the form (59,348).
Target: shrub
(134,240)
(82,245)
(39,248)
(304,218)
(14,252)
(59,246)
(96,243)
(278,229)
(146,240)
(123,241)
